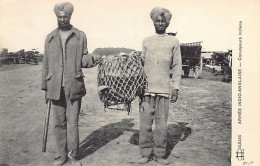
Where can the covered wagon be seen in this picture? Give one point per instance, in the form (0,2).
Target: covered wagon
(191,58)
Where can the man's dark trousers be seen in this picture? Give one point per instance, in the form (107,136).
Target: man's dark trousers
(153,107)
(65,125)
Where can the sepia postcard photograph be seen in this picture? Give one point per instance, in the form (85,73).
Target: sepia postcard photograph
(129,83)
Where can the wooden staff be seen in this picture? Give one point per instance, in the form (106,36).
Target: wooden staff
(46,125)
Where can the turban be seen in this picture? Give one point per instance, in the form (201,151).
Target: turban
(157,11)
(67,7)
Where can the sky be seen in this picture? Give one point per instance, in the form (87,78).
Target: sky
(24,24)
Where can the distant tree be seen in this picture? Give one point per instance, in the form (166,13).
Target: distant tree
(3,52)
(111,51)
(220,57)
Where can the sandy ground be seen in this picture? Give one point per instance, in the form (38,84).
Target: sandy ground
(202,114)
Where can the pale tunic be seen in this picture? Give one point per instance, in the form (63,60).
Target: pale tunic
(160,52)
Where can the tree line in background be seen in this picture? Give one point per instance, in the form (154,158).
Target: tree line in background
(112,51)
(34,56)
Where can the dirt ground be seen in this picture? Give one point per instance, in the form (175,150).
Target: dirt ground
(202,113)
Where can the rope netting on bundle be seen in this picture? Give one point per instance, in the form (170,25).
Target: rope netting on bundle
(121,78)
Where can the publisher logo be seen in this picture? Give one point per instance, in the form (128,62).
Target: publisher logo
(240,154)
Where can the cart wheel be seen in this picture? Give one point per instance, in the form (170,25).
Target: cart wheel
(197,72)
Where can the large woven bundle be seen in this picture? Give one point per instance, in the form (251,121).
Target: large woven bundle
(120,79)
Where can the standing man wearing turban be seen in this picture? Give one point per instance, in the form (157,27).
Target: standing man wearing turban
(160,52)
(62,78)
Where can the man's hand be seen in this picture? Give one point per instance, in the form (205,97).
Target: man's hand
(97,58)
(174,95)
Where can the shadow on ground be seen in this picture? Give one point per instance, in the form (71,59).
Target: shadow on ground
(104,135)
(176,132)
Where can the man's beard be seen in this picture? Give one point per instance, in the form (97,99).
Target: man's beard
(160,31)
(64,26)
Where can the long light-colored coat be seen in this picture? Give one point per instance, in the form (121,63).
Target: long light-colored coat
(76,57)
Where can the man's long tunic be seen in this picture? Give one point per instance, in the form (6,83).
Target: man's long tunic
(160,53)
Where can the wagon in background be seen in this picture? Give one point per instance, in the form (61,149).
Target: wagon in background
(191,58)
(20,57)
(10,57)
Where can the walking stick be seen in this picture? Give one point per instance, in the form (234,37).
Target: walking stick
(46,125)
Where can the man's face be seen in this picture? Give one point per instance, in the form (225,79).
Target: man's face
(160,24)
(63,20)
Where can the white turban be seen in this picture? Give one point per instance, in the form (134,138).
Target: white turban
(67,7)
(157,11)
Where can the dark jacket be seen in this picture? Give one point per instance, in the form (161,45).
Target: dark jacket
(76,57)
